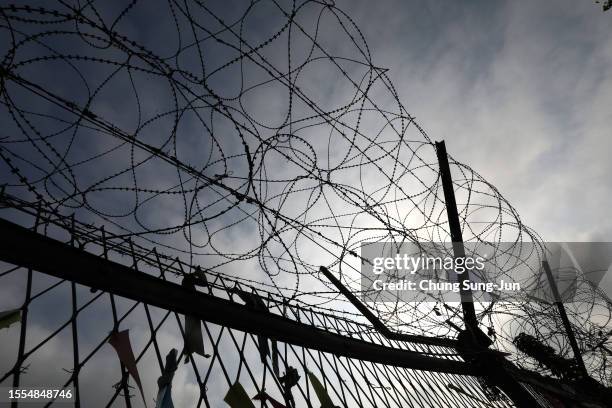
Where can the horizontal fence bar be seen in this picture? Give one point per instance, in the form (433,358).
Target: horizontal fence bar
(380,326)
(26,248)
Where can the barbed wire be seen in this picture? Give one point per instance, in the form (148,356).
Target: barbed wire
(259,141)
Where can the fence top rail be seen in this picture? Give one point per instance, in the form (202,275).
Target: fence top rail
(98,241)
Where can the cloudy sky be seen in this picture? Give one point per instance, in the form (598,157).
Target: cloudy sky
(520,90)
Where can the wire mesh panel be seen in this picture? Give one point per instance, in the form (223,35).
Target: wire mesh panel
(75,345)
